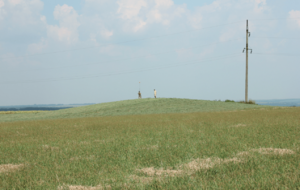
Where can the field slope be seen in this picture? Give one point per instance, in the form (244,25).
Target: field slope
(247,149)
(133,107)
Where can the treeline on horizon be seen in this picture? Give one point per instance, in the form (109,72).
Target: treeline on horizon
(33,109)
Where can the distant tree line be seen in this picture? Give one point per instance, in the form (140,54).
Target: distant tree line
(33,109)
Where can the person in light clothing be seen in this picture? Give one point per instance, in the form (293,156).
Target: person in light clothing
(140,95)
(154,93)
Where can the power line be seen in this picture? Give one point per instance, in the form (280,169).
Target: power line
(284,54)
(276,37)
(275,19)
(126,72)
(176,33)
(96,63)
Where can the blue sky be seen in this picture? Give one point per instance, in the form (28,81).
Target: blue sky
(92,51)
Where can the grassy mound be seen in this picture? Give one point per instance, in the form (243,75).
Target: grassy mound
(133,107)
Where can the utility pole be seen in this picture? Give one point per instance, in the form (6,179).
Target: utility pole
(247,48)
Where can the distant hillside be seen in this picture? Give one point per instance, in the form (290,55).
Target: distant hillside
(282,102)
(33,108)
(133,107)
(44,107)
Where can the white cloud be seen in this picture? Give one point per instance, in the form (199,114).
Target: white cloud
(140,24)
(37,47)
(164,3)
(61,33)
(2,3)
(106,33)
(214,6)
(196,18)
(66,15)
(260,6)
(68,24)
(164,11)
(43,19)
(139,13)
(14,2)
(2,11)
(295,15)
(20,12)
(129,9)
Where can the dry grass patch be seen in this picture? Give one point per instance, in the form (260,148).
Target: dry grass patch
(5,168)
(204,164)
(40,182)
(21,134)
(244,153)
(189,168)
(239,125)
(84,143)
(277,151)
(80,187)
(52,148)
(104,141)
(153,147)
(159,172)
(274,151)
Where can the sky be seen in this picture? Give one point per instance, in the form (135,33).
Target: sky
(94,51)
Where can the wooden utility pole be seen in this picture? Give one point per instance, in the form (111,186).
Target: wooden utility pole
(247,48)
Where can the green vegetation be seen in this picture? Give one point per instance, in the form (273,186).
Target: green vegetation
(229,101)
(133,107)
(246,149)
(249,102)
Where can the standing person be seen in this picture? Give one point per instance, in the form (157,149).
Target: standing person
(140,95)
(154,93)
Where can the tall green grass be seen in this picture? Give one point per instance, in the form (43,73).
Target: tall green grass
(112,150)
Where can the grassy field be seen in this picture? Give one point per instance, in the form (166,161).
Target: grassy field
(133,107)
(242,149)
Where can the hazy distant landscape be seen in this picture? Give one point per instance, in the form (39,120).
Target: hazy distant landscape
(283,102)
(44,107)
(49,107)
